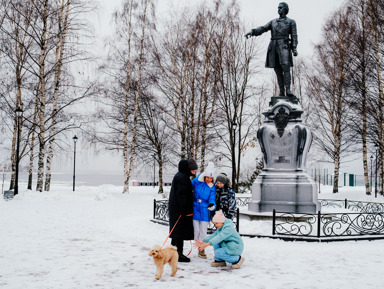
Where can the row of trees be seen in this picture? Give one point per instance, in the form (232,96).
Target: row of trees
(175,88)
(40,42)
(345,85)
(175,92)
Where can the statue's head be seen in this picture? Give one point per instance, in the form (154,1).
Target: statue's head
(285,7)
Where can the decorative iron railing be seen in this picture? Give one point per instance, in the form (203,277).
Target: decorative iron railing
(357,206)
(160,212)
(367,221)
(328,225)
(242,201)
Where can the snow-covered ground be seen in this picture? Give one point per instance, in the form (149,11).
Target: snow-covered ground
(97,237)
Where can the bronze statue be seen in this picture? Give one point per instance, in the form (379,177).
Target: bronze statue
(283,43)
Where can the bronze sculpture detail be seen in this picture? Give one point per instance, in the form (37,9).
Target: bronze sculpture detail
(281,47)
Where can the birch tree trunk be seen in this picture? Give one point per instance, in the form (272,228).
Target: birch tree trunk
(33,138)
(126,104)
(380,117)
(160,163)
(42,100)
(59,54)
(13,155)
(363,42)
(31,157)
(138,89)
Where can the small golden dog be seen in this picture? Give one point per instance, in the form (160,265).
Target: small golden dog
(163,256)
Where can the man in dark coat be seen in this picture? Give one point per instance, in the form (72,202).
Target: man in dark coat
(181,205)
(283,43)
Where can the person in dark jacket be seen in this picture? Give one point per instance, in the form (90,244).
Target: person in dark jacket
(225,196)
(181,206)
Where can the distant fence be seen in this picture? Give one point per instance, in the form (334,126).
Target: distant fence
(150,184)
(345,179)
(367,223)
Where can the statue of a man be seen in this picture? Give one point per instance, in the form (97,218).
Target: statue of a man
(283,43)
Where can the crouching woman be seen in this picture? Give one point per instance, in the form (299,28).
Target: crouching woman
(226,241)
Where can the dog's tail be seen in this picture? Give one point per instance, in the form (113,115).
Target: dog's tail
(172,247)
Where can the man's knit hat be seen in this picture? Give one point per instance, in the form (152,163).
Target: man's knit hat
(222,178)
(218,217)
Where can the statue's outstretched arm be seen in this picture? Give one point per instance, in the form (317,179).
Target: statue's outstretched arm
(259,30)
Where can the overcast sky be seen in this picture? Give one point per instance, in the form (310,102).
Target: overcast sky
(309,15)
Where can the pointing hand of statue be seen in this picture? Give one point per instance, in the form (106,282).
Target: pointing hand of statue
(248,35)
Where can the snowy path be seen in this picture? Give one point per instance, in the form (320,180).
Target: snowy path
(98,238)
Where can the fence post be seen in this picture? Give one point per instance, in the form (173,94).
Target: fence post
(318,224)
(346,204)
(237,219)
(273,222)
(154,208)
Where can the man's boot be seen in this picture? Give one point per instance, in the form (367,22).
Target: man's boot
(180,246)
(280,80)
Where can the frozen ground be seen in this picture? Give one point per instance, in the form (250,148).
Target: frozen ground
(98,238)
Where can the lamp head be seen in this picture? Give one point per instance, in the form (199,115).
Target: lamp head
(234,125)
(19,111)
(75,138)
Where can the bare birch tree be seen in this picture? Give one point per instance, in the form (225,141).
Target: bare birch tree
(154,138)
(234,60)
(361,76)
(62,23)
(124,65)
(376,14)
(15,29)
(40,75)
(171,52)
(327,87)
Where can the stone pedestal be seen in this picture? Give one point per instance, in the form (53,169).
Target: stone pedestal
(285,140)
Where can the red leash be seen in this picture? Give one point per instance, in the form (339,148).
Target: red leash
(172,231)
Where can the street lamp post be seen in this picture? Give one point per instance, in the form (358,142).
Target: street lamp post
(376,148)
(154,169)
(234,125)
(19,113)
(370,187)
(74,160)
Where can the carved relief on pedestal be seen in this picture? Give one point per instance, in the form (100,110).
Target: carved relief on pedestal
(285,141)
(283,138)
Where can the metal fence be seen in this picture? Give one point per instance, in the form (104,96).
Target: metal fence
(365,221)
(357,206)
(368,221)
(161,214)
